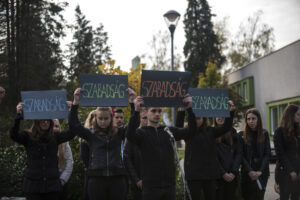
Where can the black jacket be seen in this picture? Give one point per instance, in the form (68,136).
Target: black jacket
(287,150)
(158,164)
(105,153)
(132,160)
(201,158)
(259,163)
(230,156)
(41,174)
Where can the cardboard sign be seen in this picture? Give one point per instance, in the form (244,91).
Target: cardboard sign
(103,90)
(164,88)
(210,102)
(48,104)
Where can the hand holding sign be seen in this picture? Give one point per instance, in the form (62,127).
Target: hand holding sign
(187,100)
(131,94)
(77,96)
(138,102)
(19,108)
(231,105)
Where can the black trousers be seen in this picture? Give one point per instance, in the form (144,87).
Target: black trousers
(107,188)
(159,193)
(43,196)
(288,188)
(250,189)
(64,193)
(207,186)
(135,192)
(227,190)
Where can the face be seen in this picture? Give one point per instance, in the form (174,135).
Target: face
(103,119)
(154,114)
(252,121)
(199,121)
(220,120)
(297,116)
(118,119)
(143,118)
(44,124)
(56,126)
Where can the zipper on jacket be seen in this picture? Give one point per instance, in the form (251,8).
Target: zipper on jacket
(107,154)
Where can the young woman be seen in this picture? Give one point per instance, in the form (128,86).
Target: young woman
(229,148)
(106,171)
(201,163)
(287,146)
(65,162)
(41,178)
(256,153)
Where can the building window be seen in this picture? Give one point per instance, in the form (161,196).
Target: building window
(274,119)
(245,92)
(239,90)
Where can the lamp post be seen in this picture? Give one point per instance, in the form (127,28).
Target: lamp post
(172,18)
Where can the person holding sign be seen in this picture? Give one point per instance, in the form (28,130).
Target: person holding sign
(65,162)
(256,153)
(154,141)
(287,146)
(106,170)
(41,178)
(201,165)
(229,148)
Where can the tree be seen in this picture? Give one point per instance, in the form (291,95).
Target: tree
(253,40)
(202,45)
(81,49)
(161,57)
(101,49)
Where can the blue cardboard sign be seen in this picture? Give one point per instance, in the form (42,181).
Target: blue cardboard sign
(47,104)
(103,90)
(210,102)
(164,88)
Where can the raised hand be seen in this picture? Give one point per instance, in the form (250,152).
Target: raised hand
(131,95)
(231,105)
(69,104)
(187,100)
(77,96)
(19,108)
(138,102)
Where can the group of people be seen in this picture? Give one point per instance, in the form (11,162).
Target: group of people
(218,160)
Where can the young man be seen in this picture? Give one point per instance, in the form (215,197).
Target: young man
(132,159)
(158,164)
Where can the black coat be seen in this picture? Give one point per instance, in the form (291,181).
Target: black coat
(201,157)
(132,160)
(41,174)
(158,164)
(104,153)
(288,151)
(230,156)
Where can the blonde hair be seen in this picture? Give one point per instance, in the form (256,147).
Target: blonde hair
(91,122)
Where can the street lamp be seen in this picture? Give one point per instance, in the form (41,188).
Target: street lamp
(172,18)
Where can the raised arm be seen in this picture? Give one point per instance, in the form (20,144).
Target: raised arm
(75,125)
(21,138)
(134,122)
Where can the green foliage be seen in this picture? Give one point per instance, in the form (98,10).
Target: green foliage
(202,45)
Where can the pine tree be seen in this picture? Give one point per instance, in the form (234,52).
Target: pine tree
(202,44)
(81,49)
(101,49)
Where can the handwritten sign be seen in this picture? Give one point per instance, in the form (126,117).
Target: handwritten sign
(48,104)
(164,88)
(103,90)
(210,102)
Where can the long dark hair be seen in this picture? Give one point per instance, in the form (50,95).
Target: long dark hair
(227,137)
(259,128)
(36,133)
(204,124)
(287,120)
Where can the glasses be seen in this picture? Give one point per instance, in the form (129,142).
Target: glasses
(156,110)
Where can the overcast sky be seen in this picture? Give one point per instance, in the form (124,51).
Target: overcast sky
(132,23)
